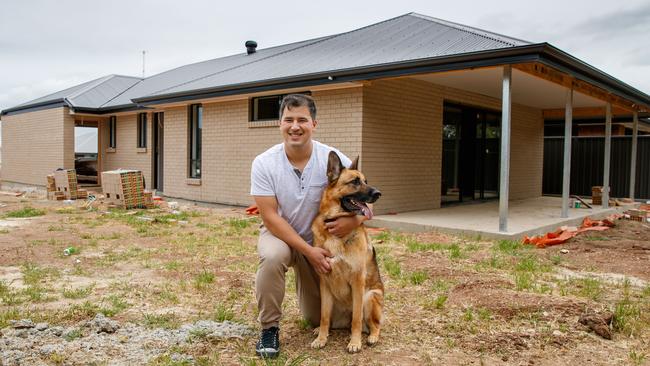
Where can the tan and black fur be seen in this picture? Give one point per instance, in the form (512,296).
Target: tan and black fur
(354,284)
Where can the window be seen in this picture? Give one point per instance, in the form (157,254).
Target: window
(142,130)
(195,126)
(267,108)
(112,141)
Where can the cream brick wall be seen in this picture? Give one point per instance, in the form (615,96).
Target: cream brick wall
(126,155)
(402,142)
(230,145)
(36,143)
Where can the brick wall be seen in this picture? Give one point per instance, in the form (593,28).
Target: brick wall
(230,143)
(402,142)
(36,143)
(126,154)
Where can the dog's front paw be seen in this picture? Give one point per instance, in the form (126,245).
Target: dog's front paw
(372,339)
(354,346)
(319,342)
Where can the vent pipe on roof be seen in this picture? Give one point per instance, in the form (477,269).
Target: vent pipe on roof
(250,47)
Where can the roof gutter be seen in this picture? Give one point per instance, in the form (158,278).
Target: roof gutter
(48,104)
(542,52)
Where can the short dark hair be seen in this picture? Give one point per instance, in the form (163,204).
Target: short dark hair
(298,100)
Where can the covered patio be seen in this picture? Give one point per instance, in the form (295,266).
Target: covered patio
(552,90)
(526,217)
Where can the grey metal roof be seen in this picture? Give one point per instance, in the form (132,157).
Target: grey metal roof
(407,37)
(198,70)
(91,94)
(400,44)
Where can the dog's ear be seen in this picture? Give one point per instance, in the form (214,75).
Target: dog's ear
(334,167)
(355,164)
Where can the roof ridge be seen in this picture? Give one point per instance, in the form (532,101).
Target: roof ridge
(122,92)
(466,28)
(93,85)
(316,40)
(228,56)
(238,66)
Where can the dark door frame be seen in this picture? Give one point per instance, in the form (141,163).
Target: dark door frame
(158,127)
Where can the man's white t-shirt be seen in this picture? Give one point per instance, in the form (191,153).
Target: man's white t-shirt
(298,194)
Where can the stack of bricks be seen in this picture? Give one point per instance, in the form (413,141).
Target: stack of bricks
(125,189)
(52,193)
(597,195)
(63,185)
(66,182)
(638,215)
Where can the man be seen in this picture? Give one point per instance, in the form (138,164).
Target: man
(287,182)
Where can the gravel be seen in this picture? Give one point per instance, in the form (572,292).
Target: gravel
(102,340)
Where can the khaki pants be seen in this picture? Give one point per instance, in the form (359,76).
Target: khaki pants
(275,259)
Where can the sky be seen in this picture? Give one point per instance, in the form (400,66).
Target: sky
(46,46)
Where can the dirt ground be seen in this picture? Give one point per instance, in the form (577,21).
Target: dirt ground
(449,300)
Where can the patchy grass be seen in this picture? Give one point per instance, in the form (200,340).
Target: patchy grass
(25,212)
(165,321)
(78,293)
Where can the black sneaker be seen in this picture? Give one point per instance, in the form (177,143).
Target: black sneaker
(269,344)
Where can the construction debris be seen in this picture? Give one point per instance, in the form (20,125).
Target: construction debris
(583,202)
(62,185)
(565,233)
(15,194)
(597,195)
(125,189)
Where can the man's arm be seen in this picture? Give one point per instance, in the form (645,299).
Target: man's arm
(280,228)
(342,226)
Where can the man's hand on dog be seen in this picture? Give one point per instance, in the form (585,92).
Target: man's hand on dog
(342,226)
(319,259)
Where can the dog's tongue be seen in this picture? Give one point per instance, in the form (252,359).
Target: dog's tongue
(367,212)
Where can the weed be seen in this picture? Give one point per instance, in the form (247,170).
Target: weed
(303,324)
(484,314)
(454,251)
(415,246)
(165,321)
(223,313)
(418,277)
(78,293)
(590,288)
(556,260)
(72,335)
(4,231)
(55,228)
(203,280)
(32,274)
(26,212)
(468,315)
(117,304)
(57,358)
(508,247)
(172,266)
(637,358)
(392,267)
(440,285)
(439,302)
(524,281)
(627,317)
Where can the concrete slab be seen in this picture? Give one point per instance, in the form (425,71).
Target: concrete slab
(525,217)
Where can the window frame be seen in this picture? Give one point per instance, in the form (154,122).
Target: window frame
(252,115)
(142,131)
(112,132)
(194,140)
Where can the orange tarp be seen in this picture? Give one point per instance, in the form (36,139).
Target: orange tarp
(564,233)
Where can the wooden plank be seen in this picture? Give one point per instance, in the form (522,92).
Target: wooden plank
(555,76)
(583,112)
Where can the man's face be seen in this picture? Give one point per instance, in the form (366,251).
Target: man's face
(297,126)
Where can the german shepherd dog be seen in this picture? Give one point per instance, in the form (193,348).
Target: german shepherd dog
(354,284)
